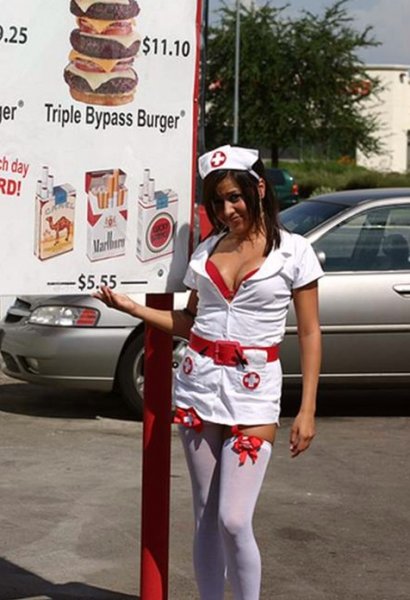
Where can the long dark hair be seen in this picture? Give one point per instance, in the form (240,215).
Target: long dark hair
(266,219)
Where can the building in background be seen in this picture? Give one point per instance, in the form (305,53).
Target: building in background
(392,107)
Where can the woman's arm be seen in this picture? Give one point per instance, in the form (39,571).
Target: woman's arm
(175,322)
(305,300)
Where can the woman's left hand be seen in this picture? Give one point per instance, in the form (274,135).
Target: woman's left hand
(117,301)
(302,433)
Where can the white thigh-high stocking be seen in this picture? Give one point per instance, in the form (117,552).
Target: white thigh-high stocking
(203,451)
(240,485)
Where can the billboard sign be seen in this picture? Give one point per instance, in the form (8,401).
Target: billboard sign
(98,110)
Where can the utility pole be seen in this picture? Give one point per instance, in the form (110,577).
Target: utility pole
(202,87)
(237,73)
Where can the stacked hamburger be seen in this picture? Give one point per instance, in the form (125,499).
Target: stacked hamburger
(105,45)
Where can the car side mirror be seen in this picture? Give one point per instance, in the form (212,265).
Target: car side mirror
(321,257)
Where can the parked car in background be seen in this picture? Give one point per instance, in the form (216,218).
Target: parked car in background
(76,341)
(285,186)
(362,239)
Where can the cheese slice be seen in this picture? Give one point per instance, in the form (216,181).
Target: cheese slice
(125,40)
(85,4)
(96,79)
(107,64)
(99,26)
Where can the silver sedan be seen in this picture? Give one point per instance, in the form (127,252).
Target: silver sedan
(362,239)
(77,342)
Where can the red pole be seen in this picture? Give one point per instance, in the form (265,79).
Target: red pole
(156,463)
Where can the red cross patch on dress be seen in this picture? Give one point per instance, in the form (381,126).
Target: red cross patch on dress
(251,380)
(187,365)
(218,159)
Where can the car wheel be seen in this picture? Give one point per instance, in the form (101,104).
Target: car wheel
(130,374)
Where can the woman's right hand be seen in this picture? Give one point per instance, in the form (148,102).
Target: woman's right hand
(113,300)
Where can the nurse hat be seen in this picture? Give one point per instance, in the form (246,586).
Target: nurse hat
(228,157)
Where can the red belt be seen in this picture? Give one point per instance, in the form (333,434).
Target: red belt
(228,353)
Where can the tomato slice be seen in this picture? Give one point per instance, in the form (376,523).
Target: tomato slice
(119,28)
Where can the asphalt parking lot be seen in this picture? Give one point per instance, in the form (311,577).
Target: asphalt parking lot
(332,524)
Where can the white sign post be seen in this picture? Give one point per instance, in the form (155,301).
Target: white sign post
(98,115)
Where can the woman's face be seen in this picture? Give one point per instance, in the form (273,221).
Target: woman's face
(230,207)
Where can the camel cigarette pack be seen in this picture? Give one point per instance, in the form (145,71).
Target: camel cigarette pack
(106,214)
(54,217)
(157,219)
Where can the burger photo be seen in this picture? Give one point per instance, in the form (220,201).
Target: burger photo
(104,44)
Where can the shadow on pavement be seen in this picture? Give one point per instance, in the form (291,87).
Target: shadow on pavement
(355,402)
(55,402)
(18,584)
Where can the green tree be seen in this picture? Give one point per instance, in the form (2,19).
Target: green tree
(301,81)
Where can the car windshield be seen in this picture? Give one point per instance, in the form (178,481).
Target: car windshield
(308,215)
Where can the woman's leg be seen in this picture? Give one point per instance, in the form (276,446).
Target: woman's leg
(202,451)
(242,474)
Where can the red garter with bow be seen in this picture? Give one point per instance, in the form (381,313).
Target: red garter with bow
(246,445)
(188,418)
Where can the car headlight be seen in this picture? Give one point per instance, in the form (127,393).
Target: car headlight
(64,316)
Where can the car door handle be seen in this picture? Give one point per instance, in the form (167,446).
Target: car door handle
(402,288)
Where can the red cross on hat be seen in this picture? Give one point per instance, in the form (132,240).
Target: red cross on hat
(228,157)
(218,159)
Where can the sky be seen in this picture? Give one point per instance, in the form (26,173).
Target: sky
(390,20)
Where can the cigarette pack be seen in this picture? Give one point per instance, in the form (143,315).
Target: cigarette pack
(157,220)
(106,214)
(54,217)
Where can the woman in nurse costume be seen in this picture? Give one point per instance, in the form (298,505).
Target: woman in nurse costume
(228,388)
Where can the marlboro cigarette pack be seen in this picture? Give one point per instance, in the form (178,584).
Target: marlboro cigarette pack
(106,213)
(54,217)
(157,219)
